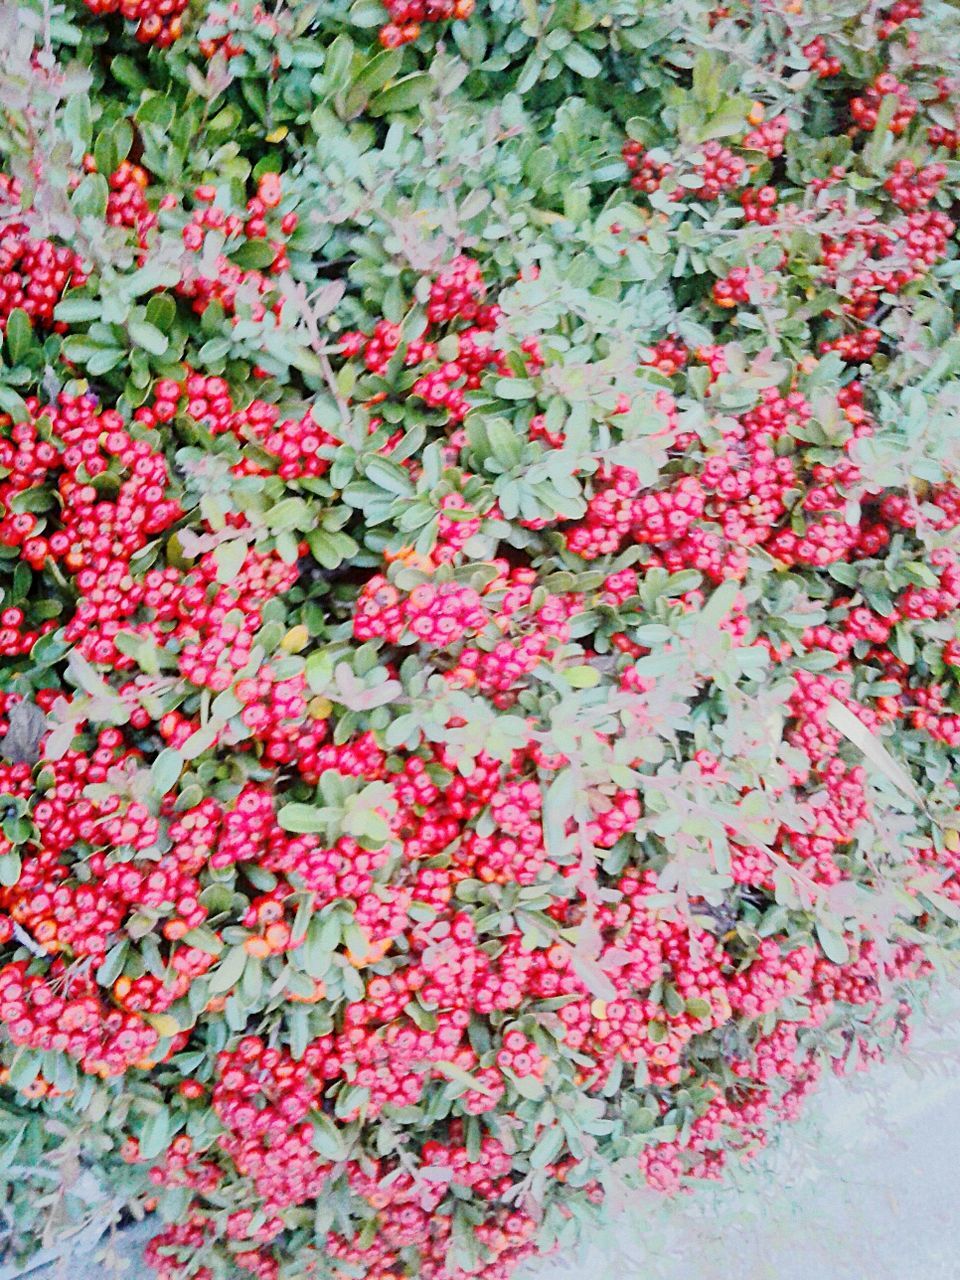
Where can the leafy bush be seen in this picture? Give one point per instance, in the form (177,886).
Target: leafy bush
(481,665)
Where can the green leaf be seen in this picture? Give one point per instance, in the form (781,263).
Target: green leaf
(19,335)
(161,312)
(402,96)
(303,818)
(843,720)
(583,677)
(366,13)
(155,275)
(11,402)
(105,153)
(78,310)
(718,606)
(527,1086)
(558,809)
(548,1147)
(148,336)
(463,1078)
(514,389)
(324,549)
(230,556)
(77,123)
(367,825)
(254,254)
(290,513)
(833,945)
(725,122)
(531,73)
(373,75)
(228,972)
(297,1032)
(323,938)
(112,966)
(156,1134)
(336,67)
(24,1069)
(203,939)
(581,60)
(128,74)
(506,445)
(697,1007)
(949,908)
(880,139)
(200,740)
(327,1137)
(9,868)
(105,360)
(388,475)
(90,197)
(165,770)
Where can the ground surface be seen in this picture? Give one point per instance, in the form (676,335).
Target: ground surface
(842,1199)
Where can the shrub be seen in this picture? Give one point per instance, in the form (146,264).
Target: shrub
(481,665)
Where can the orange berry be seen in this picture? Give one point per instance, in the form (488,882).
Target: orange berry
(277,937)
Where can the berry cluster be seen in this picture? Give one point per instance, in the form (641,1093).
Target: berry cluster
(479,646)
(65,1013)
(408,16)
(34,272)
(159,22)
(252,290)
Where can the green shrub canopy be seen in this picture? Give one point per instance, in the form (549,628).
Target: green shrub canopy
(480,655)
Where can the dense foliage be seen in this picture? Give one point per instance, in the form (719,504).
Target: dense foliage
(480,653)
